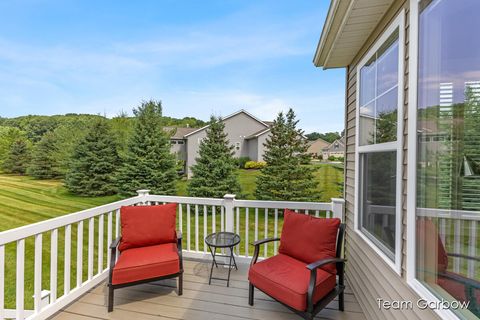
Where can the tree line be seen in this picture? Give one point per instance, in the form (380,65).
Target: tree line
(97,156)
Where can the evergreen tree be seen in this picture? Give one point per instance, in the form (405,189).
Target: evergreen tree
(214,173)
(45,163)
(94,162)
(18,157)
(284,177)
(148,163)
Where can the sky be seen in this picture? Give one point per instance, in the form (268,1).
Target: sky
(198,57)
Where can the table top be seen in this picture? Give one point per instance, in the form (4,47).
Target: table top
(222,239)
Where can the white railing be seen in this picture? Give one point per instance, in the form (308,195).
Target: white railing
(65,274)
(459,230)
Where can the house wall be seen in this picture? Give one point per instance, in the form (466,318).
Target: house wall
(367,273)
(179,148)
(261,140)
(237,128)
(253,149)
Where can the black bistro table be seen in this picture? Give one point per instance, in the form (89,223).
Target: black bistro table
(222,240)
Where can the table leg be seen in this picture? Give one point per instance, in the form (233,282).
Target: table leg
(230,266)
(213,263)
(213,255)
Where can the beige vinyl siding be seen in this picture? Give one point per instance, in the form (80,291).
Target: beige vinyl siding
(367,273)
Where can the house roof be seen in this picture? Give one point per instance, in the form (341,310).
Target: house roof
(347,26)
(340,142)
(228,117)
(178,132)
(258,133)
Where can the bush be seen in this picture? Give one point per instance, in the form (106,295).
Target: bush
(332,158)
(255,164)
(242,161)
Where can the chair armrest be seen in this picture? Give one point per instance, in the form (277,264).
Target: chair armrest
(115,243)
(461,279)
(317,264)
(262,241)
(459,255)
(179,248)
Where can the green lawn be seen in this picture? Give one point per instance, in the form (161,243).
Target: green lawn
(24,200)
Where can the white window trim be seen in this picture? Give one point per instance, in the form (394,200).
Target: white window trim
(396,265)
(416,285)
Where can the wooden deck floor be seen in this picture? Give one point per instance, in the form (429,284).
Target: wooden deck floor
(159,300)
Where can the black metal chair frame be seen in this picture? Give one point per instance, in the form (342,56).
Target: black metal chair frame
(113,258)
(313,309)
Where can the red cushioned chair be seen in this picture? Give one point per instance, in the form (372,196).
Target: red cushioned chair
(150,248)
(303,275)
(458,286)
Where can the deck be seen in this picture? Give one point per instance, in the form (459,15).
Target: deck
(199,301)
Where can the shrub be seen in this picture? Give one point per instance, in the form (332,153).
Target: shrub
(332,158)
(242,161)
(255,164)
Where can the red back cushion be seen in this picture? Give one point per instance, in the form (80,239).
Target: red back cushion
(426,232)
(147,225)
(309,239)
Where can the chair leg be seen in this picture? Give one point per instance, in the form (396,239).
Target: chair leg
(180,284)
(341,301)
(250,294)
(110,298)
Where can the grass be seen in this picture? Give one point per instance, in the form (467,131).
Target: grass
(24,200)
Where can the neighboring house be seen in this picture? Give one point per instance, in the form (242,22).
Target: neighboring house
(335,149)
(245,132)
(315,147)
(412,141)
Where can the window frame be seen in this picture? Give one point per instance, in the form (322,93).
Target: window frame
(396,264)
(411,249)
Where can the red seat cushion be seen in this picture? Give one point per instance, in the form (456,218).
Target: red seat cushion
(426,231)
(145,263)
(457,289)
(286,279)
(147,225)
(309,239)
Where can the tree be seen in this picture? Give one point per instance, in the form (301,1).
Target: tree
(8,135)
(328,136)
(45,163)
(94,163)
(18,157)
(284,177)
(215,171)
(148,163)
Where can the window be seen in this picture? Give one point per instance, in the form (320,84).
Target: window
(378,145)
(237,145)
(173,142)
(446,211)
(180,142)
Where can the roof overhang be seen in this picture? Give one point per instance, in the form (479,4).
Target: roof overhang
(348,25)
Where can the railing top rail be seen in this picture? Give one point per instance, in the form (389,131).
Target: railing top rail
(449,213)
(283,204)
(47,225)
(185,200)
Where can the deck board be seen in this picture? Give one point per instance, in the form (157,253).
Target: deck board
(159,300)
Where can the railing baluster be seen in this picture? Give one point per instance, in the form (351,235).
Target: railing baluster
(456,245)
(275,231)
(79,253)
(20,285)
(37,291)
(266,232)
(67,259)
(117,223)
(2,282)
(196,227)
(205,215)
(100,244)
(180,217)
(222,223)
(53,265)
(256,224)
(188,227)
(316,213)
(472,247)
(306,212)
(109,236)
(214,220)
(91,228)
(238,228)
(442,223)
(246,232)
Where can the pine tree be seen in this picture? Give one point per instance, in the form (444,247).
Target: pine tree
(215,171)
(148,163)
(18,157)
(45,163)
(285,177)
(92,170)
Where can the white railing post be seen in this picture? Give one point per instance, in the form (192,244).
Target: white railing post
(143,193)
(338,208)
(228,202)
